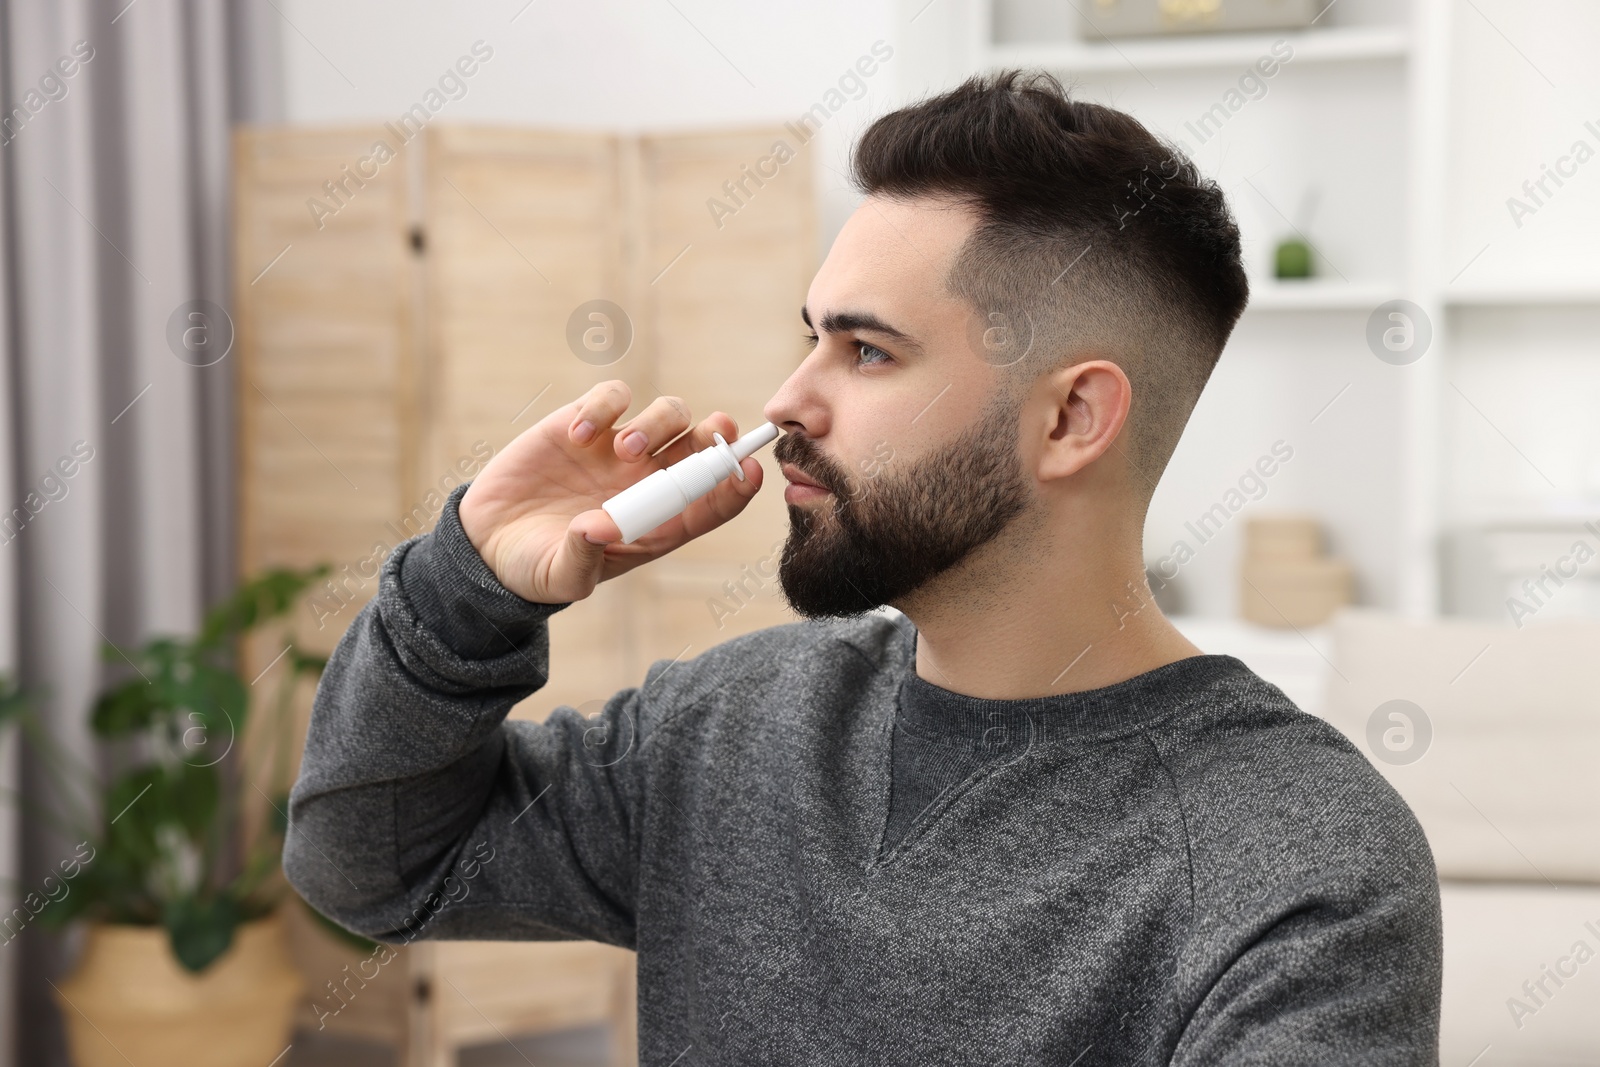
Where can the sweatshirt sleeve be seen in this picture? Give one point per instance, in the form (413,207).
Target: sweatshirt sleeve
(1318,937)
(419,811)
(1337,975)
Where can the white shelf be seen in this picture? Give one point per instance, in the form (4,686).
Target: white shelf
(1318,295)
(1130,55)
(1523,292)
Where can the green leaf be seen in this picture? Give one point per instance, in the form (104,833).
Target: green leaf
(156,656)
(279,816)
(307,663)
(129,708)
(347,936)
(220,699)
(14,702)
(200,929)
(192,795)
(115,886)
(263,859)
(80,896)
(166,676)
(267,596)
(177,682)
(135,805)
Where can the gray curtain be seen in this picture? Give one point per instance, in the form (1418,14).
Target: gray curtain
(114,218)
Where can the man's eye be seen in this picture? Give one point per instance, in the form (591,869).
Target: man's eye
(810,340)
(865,350)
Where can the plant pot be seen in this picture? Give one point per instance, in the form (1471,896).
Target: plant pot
(129,1000)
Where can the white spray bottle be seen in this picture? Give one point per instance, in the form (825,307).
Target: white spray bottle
(647,504)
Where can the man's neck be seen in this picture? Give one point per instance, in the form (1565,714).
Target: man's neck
(1007,637)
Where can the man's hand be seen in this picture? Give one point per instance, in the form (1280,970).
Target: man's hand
(532,512)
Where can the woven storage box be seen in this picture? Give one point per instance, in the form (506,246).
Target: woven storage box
(1132,18)
(1301,592)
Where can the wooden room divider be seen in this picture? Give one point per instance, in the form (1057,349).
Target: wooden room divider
(407,302)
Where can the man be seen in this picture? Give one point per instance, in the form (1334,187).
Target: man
(1019,820)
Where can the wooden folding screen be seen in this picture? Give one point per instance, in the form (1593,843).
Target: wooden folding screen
(402,315)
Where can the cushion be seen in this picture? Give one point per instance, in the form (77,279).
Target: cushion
(1497,746)
(1521,975)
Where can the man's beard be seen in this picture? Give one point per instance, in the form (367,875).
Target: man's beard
(888,535)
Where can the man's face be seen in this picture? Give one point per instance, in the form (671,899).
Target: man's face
(895,416)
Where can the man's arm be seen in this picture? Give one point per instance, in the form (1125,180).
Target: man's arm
(419,811)
(1337,972)
(1316,936)
(418,807)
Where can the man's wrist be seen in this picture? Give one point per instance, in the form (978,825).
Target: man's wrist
(456,595)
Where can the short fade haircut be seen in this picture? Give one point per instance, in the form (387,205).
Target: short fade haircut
(1095,239)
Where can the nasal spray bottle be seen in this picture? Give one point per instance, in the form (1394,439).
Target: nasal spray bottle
(642,507)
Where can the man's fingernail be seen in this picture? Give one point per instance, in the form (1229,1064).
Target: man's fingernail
(584,431)
(634,442)
(592,541)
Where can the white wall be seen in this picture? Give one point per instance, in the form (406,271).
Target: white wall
(645,64)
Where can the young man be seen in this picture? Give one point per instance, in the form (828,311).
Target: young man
(1022,820)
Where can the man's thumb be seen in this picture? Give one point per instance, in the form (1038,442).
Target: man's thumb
(589,534)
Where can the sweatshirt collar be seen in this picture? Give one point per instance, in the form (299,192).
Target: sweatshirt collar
(986,724)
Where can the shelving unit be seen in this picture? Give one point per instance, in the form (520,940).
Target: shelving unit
(1418,121)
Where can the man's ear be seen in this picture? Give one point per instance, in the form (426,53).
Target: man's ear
(1092,400)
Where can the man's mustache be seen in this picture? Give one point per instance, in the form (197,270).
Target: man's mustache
(804,455)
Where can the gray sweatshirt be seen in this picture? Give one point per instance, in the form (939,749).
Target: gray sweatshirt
(1179,868)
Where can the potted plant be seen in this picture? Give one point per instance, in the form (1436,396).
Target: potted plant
(178,870)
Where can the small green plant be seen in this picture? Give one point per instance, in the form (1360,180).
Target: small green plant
(170,842)
(1292,259)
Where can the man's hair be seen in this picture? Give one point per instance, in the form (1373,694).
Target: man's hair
(1095,239)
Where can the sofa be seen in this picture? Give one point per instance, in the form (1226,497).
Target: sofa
(1492,735)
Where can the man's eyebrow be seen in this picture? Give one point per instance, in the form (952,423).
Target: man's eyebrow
(853,321)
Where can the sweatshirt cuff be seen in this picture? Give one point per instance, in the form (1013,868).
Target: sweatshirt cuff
(457,597)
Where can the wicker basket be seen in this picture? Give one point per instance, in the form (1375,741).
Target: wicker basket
(130,1001)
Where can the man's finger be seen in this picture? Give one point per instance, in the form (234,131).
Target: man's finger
(699,438)
(725,501)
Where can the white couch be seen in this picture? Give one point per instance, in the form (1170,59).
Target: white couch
(1508,792)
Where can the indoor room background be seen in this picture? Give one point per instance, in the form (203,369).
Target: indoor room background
(238,337)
